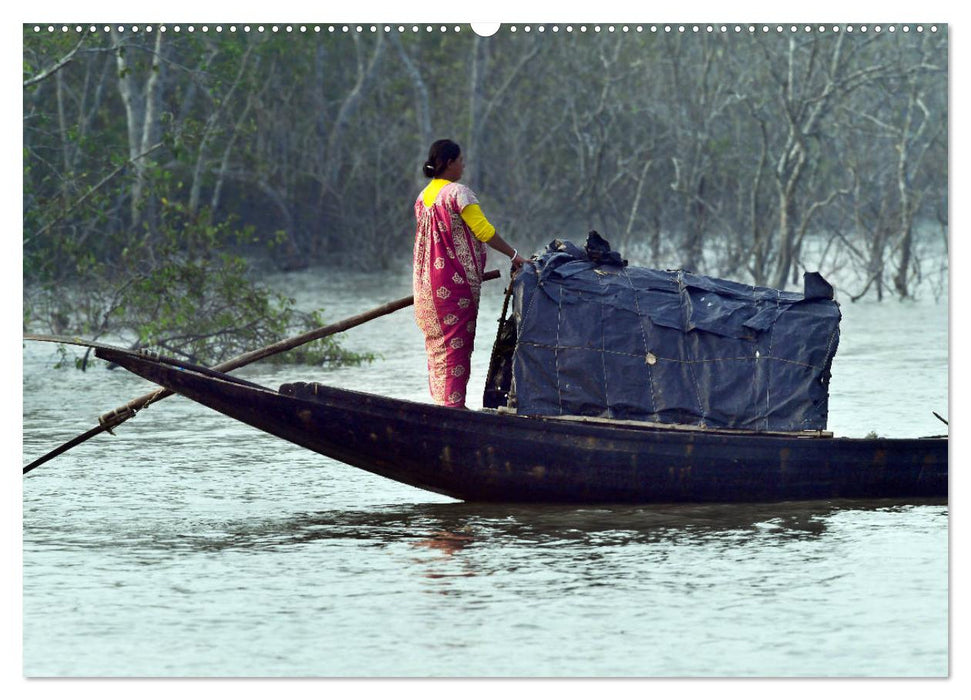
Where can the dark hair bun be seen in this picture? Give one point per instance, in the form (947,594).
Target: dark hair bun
(440,155)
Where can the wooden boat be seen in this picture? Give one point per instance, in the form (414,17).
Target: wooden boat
(493,456)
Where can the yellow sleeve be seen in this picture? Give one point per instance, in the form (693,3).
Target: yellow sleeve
(474,218)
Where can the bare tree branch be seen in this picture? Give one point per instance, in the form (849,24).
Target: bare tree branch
(44,75)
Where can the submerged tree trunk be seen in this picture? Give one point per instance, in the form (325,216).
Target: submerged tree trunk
(911,149)
(423,112)
(366,68)
(141,109)
(477,71)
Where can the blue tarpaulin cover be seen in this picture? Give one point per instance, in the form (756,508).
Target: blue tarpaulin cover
(596,337)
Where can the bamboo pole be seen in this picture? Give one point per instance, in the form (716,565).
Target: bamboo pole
(110,420)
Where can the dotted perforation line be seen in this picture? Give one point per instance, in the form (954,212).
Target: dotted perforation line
(740,28)
(512,29)
(247,29)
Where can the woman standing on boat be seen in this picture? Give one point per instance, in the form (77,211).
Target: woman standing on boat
(450,256)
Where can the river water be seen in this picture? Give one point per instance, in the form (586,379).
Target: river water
(190,545)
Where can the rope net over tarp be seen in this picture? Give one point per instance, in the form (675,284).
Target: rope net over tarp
(596,337)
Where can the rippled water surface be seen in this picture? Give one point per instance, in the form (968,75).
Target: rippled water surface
(190,545)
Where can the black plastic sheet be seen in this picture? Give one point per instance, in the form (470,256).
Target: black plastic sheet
(617,341)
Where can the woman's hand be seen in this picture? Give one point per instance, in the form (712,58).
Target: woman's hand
(498,244)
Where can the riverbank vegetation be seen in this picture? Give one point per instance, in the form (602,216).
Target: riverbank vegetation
(160,166)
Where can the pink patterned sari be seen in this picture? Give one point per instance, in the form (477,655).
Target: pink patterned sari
(449,262)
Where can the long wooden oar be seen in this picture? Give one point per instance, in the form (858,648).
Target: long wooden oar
(118,416)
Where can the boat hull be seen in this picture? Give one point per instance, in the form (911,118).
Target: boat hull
(486,456)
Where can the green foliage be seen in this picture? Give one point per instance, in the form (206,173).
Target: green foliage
(196,301)
(178,290)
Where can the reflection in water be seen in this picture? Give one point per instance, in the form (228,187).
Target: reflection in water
(449,528)
(446,544)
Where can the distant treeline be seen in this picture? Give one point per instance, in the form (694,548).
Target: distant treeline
(719,151)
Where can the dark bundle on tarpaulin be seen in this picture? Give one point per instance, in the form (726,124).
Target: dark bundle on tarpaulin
(590,335)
